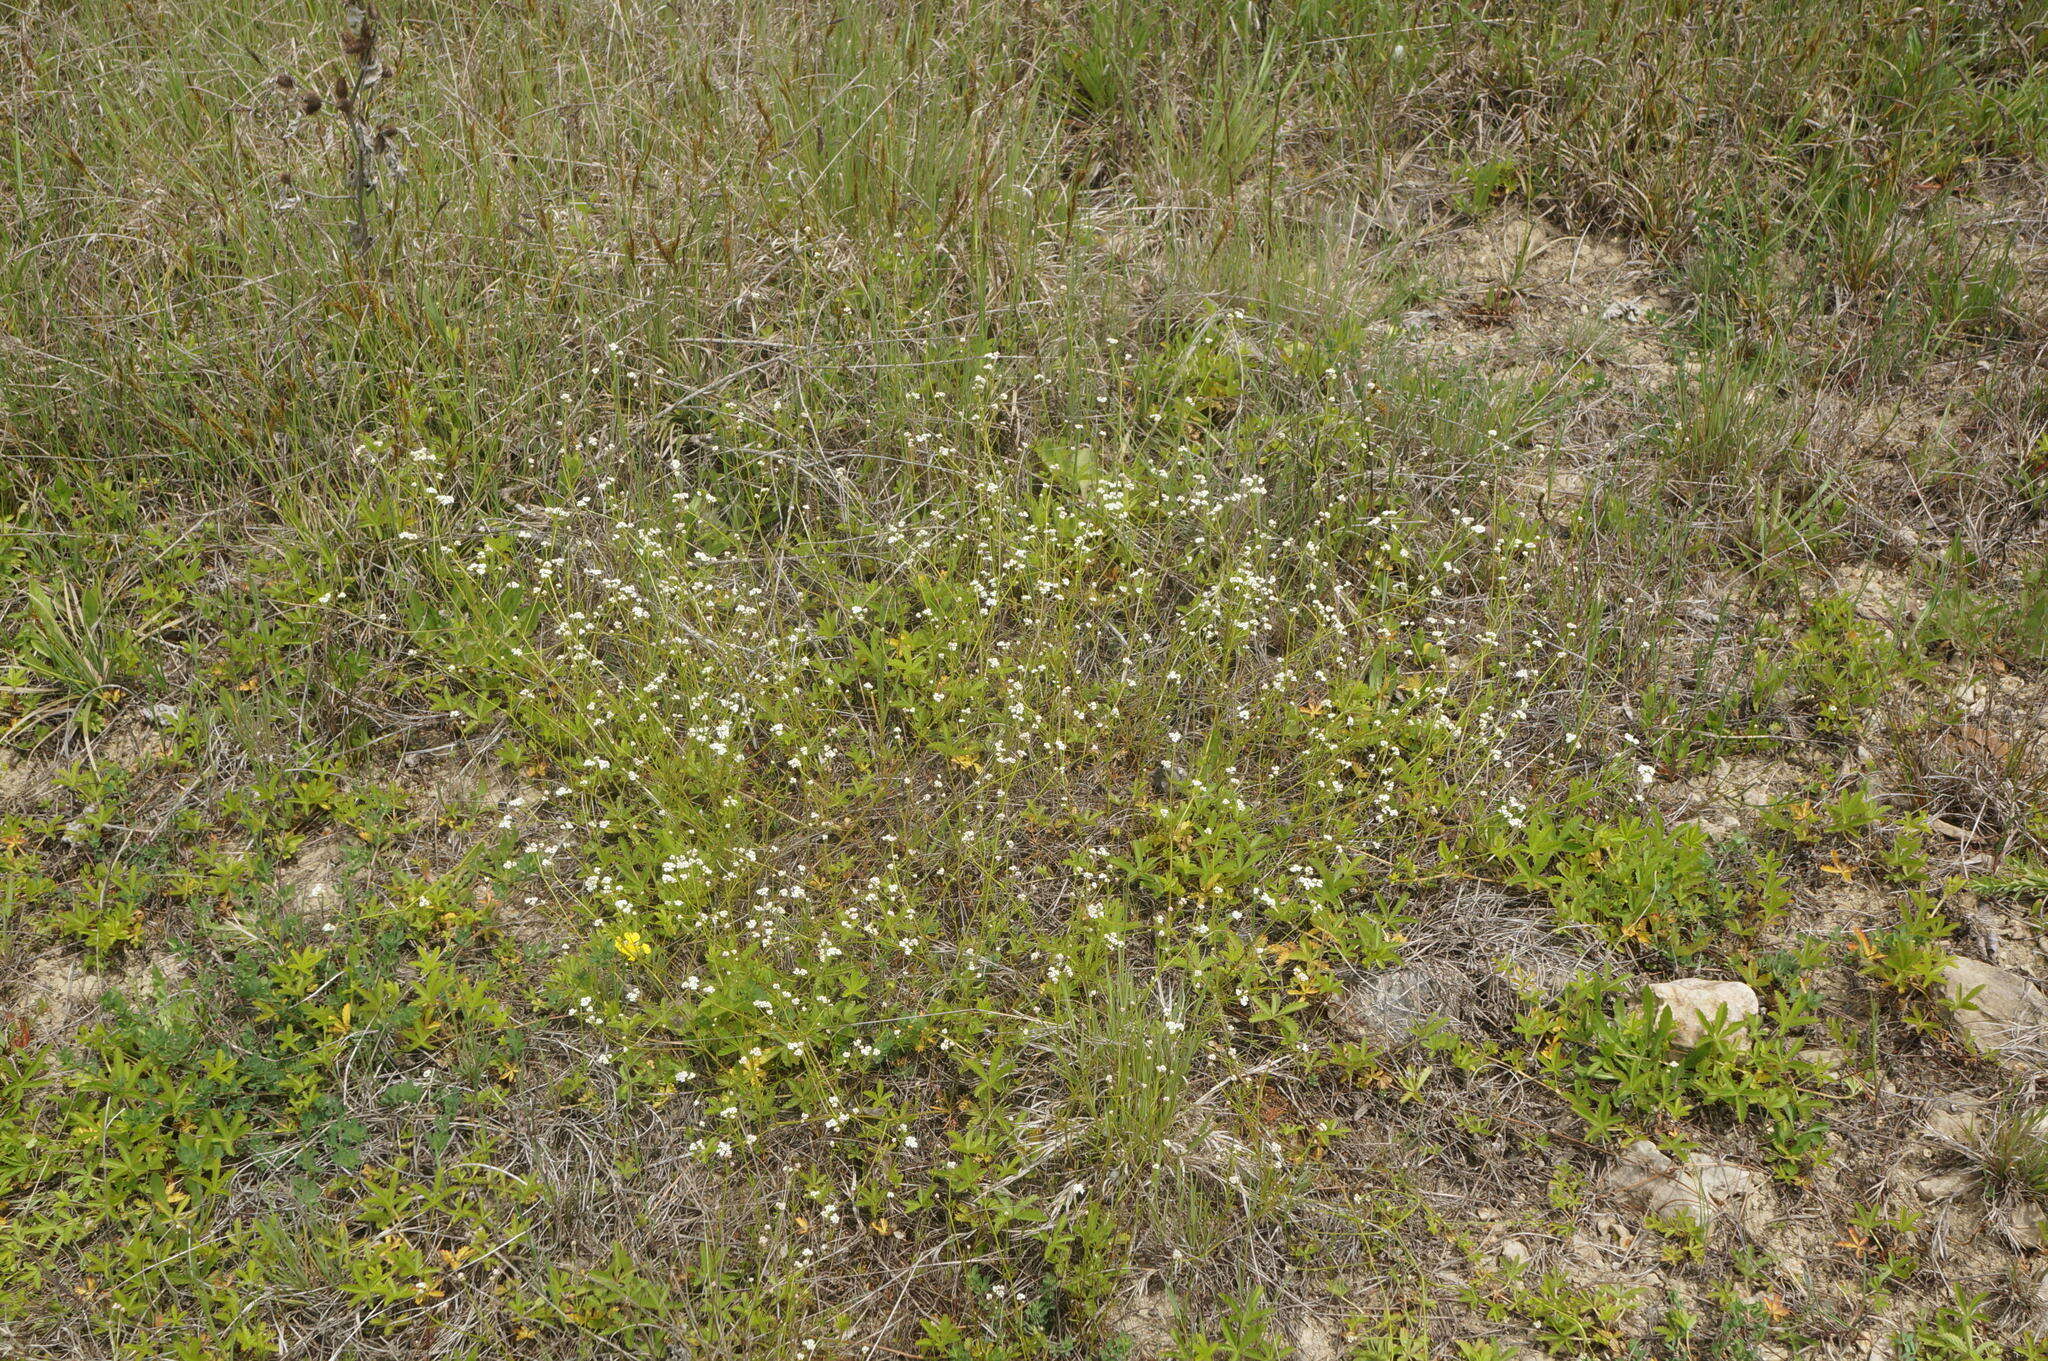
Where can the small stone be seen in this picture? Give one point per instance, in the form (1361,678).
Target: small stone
(1944,1187)
(1703,1188)
(1641,1157)
(1943,827)
(1514,1252)
(2027,1223)
(1956,1126)
(1696,1003)
(1628,309)
(1972,740)
(1588,1251)
(1993,1003)
(1902,539)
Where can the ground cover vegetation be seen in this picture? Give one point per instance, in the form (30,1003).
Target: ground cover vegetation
(986,681)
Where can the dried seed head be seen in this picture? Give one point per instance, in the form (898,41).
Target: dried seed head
(360,38)
(285,81)
(341,87)
(310,103)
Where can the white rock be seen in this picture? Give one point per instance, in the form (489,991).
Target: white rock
(1947,1186)
(1588,1251)
(1956,1126)
(1704,1188)
(2027,1222)
(1997,1008)
(1695,1003)
(1902,539)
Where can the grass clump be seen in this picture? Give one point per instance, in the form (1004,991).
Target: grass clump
(2012,1149)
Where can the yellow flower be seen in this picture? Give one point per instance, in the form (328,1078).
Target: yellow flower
(632,947)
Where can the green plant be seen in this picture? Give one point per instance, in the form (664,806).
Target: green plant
(1909,961)
(2012,1148)
(1840,664)
(1634,880)
(1241,1333)
(1610,1055)
(74,645)
(1567,1319)
(1685,1237)
(1950,1333)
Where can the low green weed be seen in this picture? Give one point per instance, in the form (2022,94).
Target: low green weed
(1609,1055)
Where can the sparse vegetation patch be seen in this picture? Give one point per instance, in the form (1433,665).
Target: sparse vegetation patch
(1006,682)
